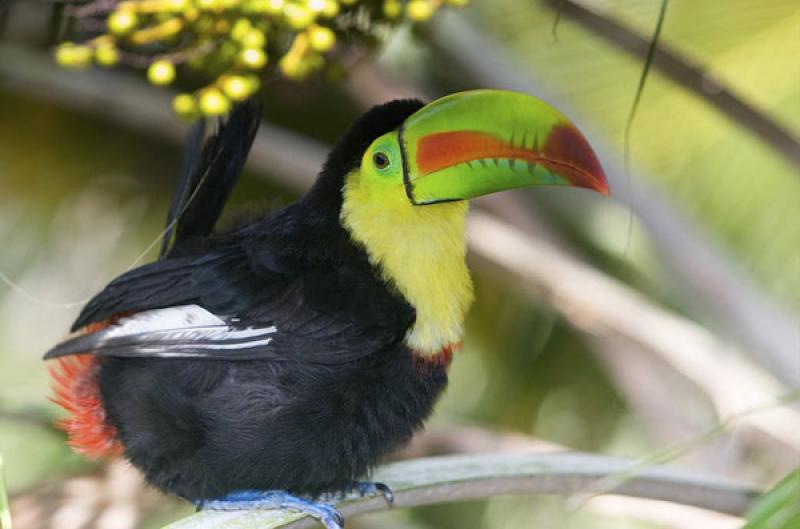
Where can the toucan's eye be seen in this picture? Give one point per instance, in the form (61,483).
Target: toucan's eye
(380,160)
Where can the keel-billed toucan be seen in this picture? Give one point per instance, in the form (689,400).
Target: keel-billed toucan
(287,357)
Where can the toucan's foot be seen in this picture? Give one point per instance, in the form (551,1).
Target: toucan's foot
(276,499)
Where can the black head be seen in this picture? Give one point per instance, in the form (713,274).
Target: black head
(347,153)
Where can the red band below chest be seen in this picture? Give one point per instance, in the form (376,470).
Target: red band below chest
(424,364)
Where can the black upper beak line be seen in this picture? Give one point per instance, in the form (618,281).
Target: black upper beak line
(409,187)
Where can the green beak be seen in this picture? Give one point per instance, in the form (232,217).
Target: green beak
(474,143)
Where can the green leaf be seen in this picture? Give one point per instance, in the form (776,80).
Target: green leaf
(779,508)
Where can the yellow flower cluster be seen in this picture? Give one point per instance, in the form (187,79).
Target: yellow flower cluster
(235,41)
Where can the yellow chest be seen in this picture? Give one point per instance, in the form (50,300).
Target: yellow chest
(421,250)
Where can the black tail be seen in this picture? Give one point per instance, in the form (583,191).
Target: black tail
(208,176)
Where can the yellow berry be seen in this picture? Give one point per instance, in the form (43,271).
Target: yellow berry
(240,29)
(63,54)
(82,55)
(321,38)
(254,6)
(191,14)
(184,104)
(254,58)
(73,55)
(254,38)
(121,22)
(289,65)
(419,10)
(299,17)
(275,6)
(213,102)
(214,5)
(331,9)
(270,7)
(236,87)
(106,54)
(178,5)
(392,8)
(161,72)
(291,68)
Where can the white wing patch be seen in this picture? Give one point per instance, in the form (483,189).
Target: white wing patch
(182,331)
(185,322)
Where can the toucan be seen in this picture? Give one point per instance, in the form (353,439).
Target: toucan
(272,364)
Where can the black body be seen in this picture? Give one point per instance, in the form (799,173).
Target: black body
(335,390)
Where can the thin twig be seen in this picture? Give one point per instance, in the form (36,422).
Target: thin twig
(686,73)
(626,135)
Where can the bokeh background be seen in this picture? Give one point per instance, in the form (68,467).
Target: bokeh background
(702,236)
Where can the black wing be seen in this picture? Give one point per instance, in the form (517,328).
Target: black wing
(228,306)
(292,286)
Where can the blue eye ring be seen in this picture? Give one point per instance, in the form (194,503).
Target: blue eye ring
(381,160)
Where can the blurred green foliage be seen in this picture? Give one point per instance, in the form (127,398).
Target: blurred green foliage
(737,188)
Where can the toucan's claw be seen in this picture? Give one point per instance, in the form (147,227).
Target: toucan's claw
(361,489)
(374,488)
(244,500)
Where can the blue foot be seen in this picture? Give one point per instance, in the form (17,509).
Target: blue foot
(244,500)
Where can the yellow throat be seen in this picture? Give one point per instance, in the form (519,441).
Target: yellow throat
(421,250)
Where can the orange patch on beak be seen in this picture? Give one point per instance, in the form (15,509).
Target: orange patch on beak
(565,152)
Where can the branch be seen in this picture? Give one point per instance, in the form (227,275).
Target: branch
(459,478)
(137,106)
(604,307)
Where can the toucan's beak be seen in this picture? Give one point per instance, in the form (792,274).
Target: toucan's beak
(473,143)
